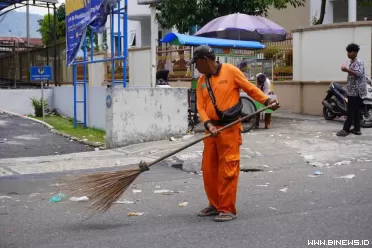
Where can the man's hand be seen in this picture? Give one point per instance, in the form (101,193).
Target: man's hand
(272,101)
(344,69)
(212,129)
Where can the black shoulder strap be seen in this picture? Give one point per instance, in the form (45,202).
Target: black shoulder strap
(211,95)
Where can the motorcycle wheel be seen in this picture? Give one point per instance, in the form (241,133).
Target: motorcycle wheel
(327,114)
(249,107)
(366,118)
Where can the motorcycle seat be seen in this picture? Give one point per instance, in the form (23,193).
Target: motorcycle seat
(339,88)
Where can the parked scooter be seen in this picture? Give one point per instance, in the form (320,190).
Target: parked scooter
(335,104)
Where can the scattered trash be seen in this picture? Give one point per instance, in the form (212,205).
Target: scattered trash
(172,139)
(57,198)
(266,166)
(317,164)
(57,184)
(311,176)
(259,154)
(187,136)
(270,171)
(183,204)
(34,194)
(284,190)
(96,149)
(362,169)
(161,191)
(13,193)
(273,208)
(344,162)
(5,197)
(137,191)
(347,176)
(157,187)
(264,185)
(364,160)
(288,137)
(317,173)
(135,214)
(124,202)
(272,135)
(79,199)
(308,158)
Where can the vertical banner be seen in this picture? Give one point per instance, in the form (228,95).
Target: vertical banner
(79,15)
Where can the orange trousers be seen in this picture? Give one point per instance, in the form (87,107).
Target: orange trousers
(221,167)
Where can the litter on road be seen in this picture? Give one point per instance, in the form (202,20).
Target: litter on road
(161,191)
(284,190)
(344,162)
(57,198)
(137,191)
(79,199)
(135,214)
(5,197)
(124,202)
(183,204)
(317,173)
(347,176)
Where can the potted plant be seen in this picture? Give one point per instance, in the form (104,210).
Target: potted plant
(38,107)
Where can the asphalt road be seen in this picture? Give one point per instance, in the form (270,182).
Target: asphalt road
(24,138)
(312,208)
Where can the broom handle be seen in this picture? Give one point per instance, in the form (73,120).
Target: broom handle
(208,135)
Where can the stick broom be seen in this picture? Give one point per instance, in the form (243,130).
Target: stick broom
(105,188)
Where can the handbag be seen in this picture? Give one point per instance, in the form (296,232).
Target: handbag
(228,115)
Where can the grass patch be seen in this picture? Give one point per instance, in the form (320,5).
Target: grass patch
(67,126)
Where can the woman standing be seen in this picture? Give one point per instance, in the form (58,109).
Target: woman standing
(356,90)
(263,83)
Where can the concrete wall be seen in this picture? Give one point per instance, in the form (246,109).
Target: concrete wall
(18,101)
(145,114)
(302,97)
(96,109)
(319,51)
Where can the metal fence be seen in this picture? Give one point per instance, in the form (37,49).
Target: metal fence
(174,59)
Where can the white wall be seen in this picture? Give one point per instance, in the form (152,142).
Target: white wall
(145,114)
(18,101)
(96,100)
(140,67)
(315,11)
(318,54)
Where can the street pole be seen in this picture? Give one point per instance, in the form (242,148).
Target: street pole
(42,99)
(28,36)
(153,44)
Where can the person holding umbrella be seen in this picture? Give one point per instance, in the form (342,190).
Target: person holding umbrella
(218,103)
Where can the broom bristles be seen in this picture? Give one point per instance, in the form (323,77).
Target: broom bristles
(105,188)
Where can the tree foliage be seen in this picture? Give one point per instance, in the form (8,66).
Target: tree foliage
(46,26)
(187,13)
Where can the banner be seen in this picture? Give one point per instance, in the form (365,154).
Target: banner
(79,15)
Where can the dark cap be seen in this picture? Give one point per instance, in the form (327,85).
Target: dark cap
(202,52)
(261,78)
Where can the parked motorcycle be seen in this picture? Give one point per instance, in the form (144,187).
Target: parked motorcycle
(335,104)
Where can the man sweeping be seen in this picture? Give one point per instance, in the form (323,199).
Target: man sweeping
(218,103)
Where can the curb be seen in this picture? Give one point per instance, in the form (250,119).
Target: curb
(53,130)
(298,118)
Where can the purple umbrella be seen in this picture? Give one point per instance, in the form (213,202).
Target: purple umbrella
(243,27)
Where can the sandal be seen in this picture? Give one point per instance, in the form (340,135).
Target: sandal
(208,211)
(223,217)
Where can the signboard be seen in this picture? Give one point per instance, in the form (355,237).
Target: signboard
(41,73)
(79,15)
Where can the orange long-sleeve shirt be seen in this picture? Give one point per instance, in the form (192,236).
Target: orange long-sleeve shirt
(226,87)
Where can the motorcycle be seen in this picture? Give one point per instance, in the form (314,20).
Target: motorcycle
(335,104)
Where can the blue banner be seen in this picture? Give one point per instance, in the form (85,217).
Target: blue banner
(79,15)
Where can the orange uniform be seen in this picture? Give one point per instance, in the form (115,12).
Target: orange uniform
(221,156)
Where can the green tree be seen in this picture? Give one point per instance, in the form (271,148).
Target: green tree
(46,26)
(187,13)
